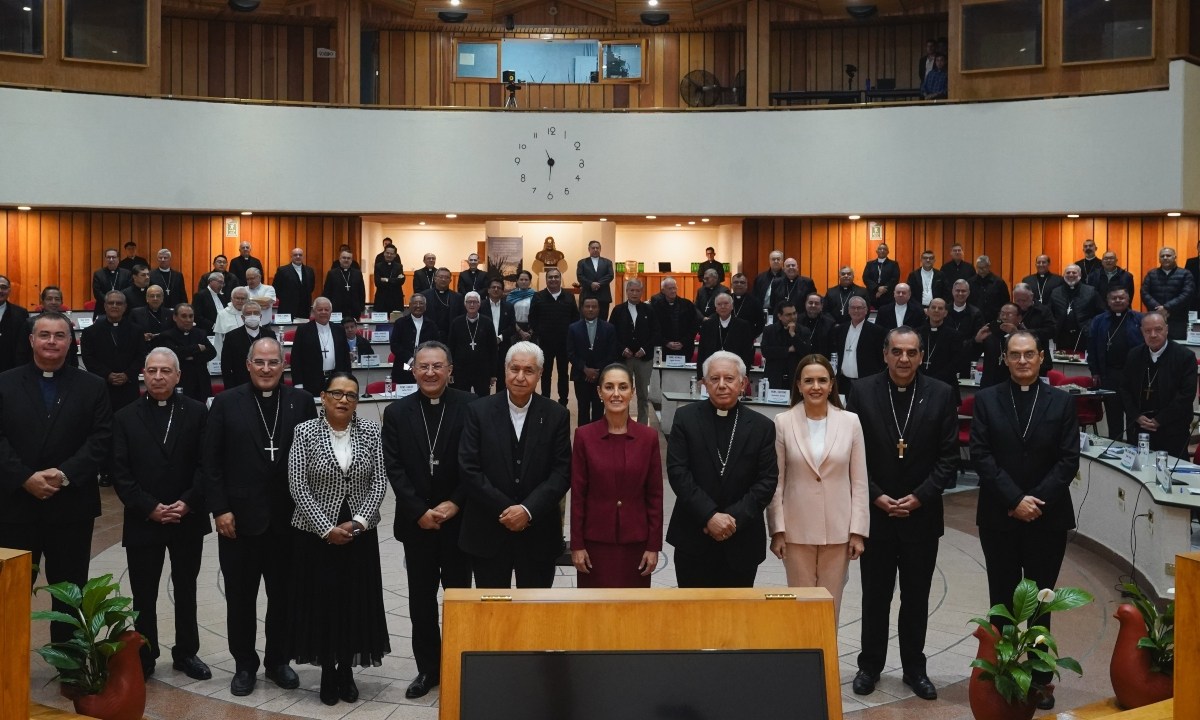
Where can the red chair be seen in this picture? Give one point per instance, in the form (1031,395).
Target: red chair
(377,387)
(758,360)
(695,354)
(90,305)
(392,357)
(1088,408)
(287,359)
(289,335)
(218,388)
(1057,378)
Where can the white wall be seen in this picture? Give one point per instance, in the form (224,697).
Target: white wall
(1100,154)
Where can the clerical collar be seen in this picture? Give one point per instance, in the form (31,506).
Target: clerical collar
(591,322)
(1156,354)
(1117,315)
(901,388)
(114,324)
(1024,388)
(722,413)
(431,400)
(1072,286)
(960,308)
(266,394)
(50,374)
(473,319)
(160,403)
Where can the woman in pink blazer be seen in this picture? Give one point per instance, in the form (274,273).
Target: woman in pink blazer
(820,512)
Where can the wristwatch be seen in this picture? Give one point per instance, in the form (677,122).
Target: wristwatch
(62,476)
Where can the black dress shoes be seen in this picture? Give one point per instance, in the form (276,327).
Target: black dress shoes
(921,686)
(421,686)
(347,690)
(864,683)
(193,667)
(242,683)
(329,686)
(283,676)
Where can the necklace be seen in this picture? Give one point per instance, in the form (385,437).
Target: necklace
(170,419)
(472,333)
(901,446)
(722,334)
(1148,390)
(1036,392)
(346,278)
(438,293)
(1113,334)
(932,347)
(729,449)
(269,430)
(433,461)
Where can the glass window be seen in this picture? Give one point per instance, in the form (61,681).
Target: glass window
(622,61)
(1110,30)
(1002,35)
(477,60)
(552,60)
(108,30)
(22,26)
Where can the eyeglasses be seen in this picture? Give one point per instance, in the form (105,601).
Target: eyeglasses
(266,363)
(435,367)
(1029,355)
(343,395)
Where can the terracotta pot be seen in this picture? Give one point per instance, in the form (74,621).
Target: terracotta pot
(1134,683)
(986,702)
(124,697)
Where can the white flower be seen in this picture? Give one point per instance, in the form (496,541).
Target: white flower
(1045,595)
(1040,640)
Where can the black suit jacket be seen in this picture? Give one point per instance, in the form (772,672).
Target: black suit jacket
(442,309)
(938,287)
(473,364)
(585,275)
(738,337)
(24,351)
(231,282)
(744,491)
(676,322)
(307,357)
(781,350)
(423,278)
(109,350)
(795,291)
(631,335)
(550,318)
(404,339)
(868,352)
(240,477)
(930,461)
(73,436)
(239,265)
(508,323)
(389,296)
(13,334)
(151,322)
(406,450)
(145,472)
(1193,266)
(295,296)
(195,350)
(486,463)
(604,351)
(913,317)
(234,351)
(1043,464)
(206,311)
(174,288)
(349,303)
(1174,389)
(876,274)
(1043,287)
(837,301)
(473,280)
(104,282)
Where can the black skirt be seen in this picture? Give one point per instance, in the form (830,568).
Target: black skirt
(336,613)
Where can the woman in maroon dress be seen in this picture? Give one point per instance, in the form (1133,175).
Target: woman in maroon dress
(616,492)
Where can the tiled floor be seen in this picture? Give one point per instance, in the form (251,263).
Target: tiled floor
(959,592)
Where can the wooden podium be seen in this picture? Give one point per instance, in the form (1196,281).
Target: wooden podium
(16,569)
(649,619)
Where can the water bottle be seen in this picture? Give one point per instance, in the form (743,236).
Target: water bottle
(833,361)
(1144,449)
(387,386)
(354,354)
(763,385)
(976,375)
(692,386)
(658,354)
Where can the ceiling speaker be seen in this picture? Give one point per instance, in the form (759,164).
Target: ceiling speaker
(861,12)
(451,17)
(243,5)
(509,23)
(655,18)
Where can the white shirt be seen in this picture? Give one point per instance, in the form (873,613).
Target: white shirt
(901,310)
(632,312)
(217,299)
(816,437)
(299,271)
(342,449)
(959,308)
(328,356)
(3,309)
(596,264)
(268,308)
(1156,354)
(555,295)
(518,415)
(496,316)
(848,364)
(725,322)
(926,286)
(228,319)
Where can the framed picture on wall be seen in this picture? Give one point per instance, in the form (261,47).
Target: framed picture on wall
(232,227)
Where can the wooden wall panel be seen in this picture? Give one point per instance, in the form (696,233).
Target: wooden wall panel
(822,245)
(252,61)
(64,247)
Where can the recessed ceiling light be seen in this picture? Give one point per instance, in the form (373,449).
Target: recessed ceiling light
(603,219)
(24,208)
(247,212)
(1073,215)
(703,219)
(651,217)
(421,223)
(455,3)
(691,222)
(653,3)
(451,216)
(678,224)
(114,52)
(27,9)
(855,217)
(1173,214)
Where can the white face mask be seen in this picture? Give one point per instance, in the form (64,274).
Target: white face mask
(253,321)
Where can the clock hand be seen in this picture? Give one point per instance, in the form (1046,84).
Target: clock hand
(550,164)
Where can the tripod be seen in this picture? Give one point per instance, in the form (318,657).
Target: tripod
(512,89)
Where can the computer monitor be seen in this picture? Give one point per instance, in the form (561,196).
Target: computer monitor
(664,267)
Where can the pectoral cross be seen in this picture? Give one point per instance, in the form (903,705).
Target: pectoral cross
(1147,391)
(347,287)
(271,449)
(324,351)
(433,462)
(472,344)
(900,446)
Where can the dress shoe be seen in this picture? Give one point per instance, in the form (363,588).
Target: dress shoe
(420,686)
(864,683)
(242,683)
(347,690)
(193,667)
(921,686)
(147,671)
(283,676)
(329,686)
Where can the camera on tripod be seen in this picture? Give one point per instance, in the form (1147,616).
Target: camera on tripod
(512,85)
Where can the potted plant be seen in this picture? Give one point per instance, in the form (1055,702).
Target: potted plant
(1143,660)
(1002,684)
(99,666)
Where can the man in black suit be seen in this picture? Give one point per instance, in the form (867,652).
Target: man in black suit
(421,434)
(515,459)
(1073,304)
(966,319)
(746,307)
(192,346)
(784,342)
(407,333)
(473,347)
(721,464)
(881,276)
(676,320)
(764,281)
(135,294)
(837,300)
(220,264)
(1159,389)
(636,339)
(423,276)
(153,319)
(132,258)
(171,281)
(112,277)
(1110,275)
(1037,319)
(859,347)
(723,331)
(1113,335)
(957,267)
(52,302)
(1089,263)
(442,304)
(472,279)
(345,288)
(551,312)
(991,340)
(941,347)
(113,351)
(711,263)
(1025,447)
(927,282)
(243,262)
(591,346)
(904,311)
(55,431)
(988,290)
(710,288)
(318,350)
(236,346)
(156,471)
(504,322)
(294,284)
(246,447)
(595,276)
(793,286)
(356,343)
(1043,282)
(13,322)
(209,302)
(816,325)
(910,430)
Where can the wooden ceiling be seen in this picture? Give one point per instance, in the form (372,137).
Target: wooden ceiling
(378,14)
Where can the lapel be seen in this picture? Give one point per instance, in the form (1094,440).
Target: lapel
(500,419)
(33,390)
(1039,409)
(418,428)
(146,416)
(532,432)
(800,433)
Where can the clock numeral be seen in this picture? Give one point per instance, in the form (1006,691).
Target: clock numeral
(580,163)
(551,131)
(566,191)
(522,146)
(535,190)
(517,160)
(535,136)
(577,145)
(550,196)
(522,177)
(576,178)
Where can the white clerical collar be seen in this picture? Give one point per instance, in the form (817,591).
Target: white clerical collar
(519,410)
(114,324)
(725,322)
(431,400)
(959,308)
(722,413)
(591,322)
(1156,354)
(266,393)
(47,373)
(556,294)
(161,403)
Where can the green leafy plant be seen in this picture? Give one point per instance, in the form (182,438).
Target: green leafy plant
(1160,629)
(1022,652)
(100,614)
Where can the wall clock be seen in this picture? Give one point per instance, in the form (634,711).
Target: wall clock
(549,164)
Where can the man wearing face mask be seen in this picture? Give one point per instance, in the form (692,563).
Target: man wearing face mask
(1074,304)
(230,317)
(237,345)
